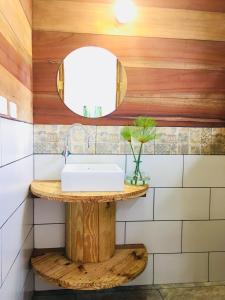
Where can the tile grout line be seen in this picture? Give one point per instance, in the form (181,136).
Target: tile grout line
(154,192)
(181,246)
(182,184)
(16,160)
(208,265)
(17,255)
(210,201)
(14,211)
(153,268)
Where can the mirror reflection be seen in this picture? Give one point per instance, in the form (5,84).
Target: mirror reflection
(92,82)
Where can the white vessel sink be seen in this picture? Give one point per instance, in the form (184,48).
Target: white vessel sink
(92,177)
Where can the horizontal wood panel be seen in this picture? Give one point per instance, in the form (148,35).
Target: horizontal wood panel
(16,57)
(133,51)
(163,81)
(11,60)
(98,18)
(197,111)
(204,5)
(12,11)
(15,91)
(174,54)
(144,80)
(27,7)
(7,32)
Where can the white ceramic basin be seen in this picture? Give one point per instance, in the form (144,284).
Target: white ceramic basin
(92,177)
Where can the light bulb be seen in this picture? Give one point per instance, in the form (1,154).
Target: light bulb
(125,11)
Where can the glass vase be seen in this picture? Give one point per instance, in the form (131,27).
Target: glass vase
(137,177)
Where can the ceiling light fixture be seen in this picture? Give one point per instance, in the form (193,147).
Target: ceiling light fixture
(125,11)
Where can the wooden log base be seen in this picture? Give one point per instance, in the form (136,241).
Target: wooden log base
(127,263)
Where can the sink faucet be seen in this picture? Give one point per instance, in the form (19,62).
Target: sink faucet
(66,152)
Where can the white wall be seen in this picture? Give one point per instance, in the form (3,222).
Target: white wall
(16,209)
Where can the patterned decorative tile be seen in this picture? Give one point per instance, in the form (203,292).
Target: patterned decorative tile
(148,148)
(194,141)
(51,139)
(107,140)
(206,141)
(172,140)
(218,140)
(200,140)
(82,142)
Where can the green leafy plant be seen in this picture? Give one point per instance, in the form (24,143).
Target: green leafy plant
(143,131)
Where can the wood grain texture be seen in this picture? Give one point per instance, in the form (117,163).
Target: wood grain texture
(7,32)
(172,110)
(127,263)
(12,11)
(27,7)
(98,18)
(51,190)
(91,236)
(132,51)
(74,232)
(144,80)
(90,231)
(16,58)
(107,224)
(177,49)
(11,60)
(204,5)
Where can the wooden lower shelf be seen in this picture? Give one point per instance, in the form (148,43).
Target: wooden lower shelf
(126,264)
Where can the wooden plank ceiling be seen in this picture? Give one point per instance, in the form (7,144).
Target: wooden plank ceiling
(16,55)
(173,53)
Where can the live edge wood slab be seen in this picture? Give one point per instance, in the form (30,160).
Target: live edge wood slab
(91,259)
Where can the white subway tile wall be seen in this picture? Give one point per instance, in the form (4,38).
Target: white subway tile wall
(182,204)
(15,285)
(216,266)
(16,139)
(48,211)
(15,179)
(16,207)
(136,209)
(163,170)
(49,236)
(217,203)
(203,236)
(180,268)
(204,171)
(181,219)
(158,237)
(11,242)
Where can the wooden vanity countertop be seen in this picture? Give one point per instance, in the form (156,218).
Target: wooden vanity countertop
(51,190)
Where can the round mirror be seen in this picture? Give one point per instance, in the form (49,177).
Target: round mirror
(91,82)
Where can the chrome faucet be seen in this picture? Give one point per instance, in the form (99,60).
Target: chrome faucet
(66,152)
